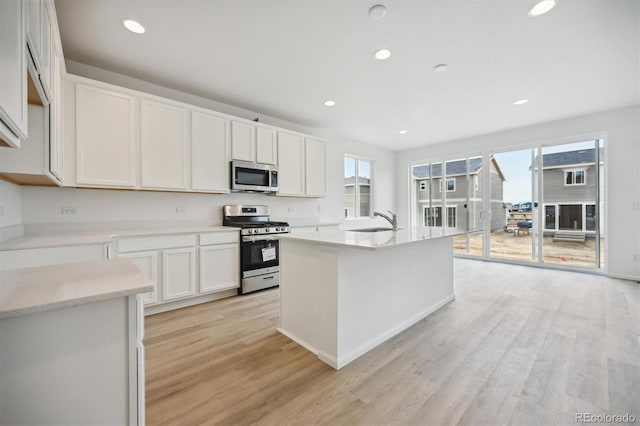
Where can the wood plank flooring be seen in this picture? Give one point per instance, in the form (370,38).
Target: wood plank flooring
(519,345)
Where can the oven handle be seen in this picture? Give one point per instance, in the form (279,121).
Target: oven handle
(258,238)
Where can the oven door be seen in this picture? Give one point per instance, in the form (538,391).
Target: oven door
(246,176)
(259,252)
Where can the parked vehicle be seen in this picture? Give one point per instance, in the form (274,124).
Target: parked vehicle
(525,207)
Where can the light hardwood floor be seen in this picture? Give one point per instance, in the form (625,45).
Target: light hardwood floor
(518,346)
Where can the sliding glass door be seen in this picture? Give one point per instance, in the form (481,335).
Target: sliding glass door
(572,181)
(542,204)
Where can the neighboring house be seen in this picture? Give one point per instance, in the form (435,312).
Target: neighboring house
(350,196)
(430,187)
(569,190)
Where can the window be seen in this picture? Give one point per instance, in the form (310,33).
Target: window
(451,217)
(432,216)
(574,177)
(591,216)
(451,185)
(357,187)
(550,217)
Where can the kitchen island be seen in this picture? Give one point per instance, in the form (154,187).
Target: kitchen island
(71,347)
(342,293)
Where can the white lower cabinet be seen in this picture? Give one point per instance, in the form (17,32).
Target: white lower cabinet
(147,261)
(219,267)
(178,273)
(185,269)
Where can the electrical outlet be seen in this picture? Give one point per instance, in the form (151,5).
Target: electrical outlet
(635,207)
(636,257)
(290,209)
(181,210)
(70,211)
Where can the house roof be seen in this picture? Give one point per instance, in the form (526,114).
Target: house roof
(458,167)
(583,156)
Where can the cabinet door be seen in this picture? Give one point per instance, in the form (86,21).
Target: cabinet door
(34,28)
(164,145)
(55,125)
(13,73)
(219,267)
(242,141)
(45,57)
(209,153)
(178,273)
(290,164)
(266,146)
(148,264)
(315,171)
(105,138)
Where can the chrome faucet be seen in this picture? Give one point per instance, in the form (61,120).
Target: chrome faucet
(393,220)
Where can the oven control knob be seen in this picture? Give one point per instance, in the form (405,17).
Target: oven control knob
(251,231)
(266,229)
(278,229)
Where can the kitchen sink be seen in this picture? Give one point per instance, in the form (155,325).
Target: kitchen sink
(372,229)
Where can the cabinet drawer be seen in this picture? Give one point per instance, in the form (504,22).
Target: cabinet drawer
(155,243)
(219,238)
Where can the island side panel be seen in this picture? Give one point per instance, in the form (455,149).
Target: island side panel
(308,296)
(66,366)
(383,292)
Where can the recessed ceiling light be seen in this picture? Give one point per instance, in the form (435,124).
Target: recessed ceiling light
(329,103)
(521,102)
(133,26)
(377,12)
(440,68)
(402,132)
(382,54)
(541,7)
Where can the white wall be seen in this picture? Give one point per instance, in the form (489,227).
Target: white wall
(43,205)
(622,180)
(10,204)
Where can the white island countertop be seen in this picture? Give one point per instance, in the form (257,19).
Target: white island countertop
(33,290)
(372,240)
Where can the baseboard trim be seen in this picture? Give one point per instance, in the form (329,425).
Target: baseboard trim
(178,304)
(322,356)
(624,277)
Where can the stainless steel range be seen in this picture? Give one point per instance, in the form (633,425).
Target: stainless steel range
(259,246)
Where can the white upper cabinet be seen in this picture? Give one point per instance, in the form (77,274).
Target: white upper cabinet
(56,151)
(266,146)
(13,73)
(253,143)
(34,33)
(47,41)
(316,163)
(164,146)
(105,138)
(209,153)
(291,168)
(243,140)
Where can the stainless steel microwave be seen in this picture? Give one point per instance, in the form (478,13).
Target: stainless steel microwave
(248,176)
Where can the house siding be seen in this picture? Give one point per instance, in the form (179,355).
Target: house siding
(555,190)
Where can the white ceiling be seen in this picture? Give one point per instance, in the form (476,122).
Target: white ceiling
(283,58)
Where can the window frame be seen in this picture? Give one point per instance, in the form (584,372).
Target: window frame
(446,181)
(356,186)
(573,177)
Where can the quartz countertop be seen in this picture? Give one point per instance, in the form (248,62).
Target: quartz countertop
(71,238)
(32,290)
(372,240)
